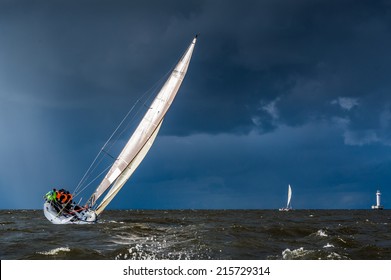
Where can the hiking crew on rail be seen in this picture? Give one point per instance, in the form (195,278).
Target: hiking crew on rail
(62,201)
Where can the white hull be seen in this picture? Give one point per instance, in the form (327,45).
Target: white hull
(84,217)
(285,209)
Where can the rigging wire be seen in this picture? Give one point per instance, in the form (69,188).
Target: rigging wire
(93,180)
(112,140)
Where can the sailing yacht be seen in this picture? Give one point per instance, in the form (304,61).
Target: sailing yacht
(288,204)
(129,158)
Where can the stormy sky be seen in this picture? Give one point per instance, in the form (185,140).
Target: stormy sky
(278,92)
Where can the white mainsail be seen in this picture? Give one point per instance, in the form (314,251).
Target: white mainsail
(288,204)
(143,137)
(121,180)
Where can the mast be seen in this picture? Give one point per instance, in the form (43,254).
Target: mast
(145,134)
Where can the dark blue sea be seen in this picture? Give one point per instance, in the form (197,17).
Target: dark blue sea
(200,235)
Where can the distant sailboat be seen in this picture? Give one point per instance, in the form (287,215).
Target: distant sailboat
(288,204)
(62,211)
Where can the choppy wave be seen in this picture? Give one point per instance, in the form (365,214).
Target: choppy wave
(321,233)
(55,251)
(201,234)
(307,254)
(328,245)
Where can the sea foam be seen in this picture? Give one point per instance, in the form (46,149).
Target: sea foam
(300,253)
(55,251)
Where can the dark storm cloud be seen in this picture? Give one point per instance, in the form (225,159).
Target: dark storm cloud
(317,70)
(297,56)
(83,49)
(301,53)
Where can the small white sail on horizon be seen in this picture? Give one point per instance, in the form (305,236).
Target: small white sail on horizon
(134,151)
(288,204)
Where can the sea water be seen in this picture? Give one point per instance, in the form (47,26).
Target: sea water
(200,235)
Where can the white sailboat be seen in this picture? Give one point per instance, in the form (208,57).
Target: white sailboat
(130,157)
(288,204)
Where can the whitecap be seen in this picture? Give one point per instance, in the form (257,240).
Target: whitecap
(55,251)
(339,238)
(335,256)
(300,253)
(328,245)
(321,233)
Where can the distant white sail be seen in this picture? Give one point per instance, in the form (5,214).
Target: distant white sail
(143,137)
(288,204)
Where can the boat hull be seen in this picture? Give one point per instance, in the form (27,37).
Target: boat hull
(84,217)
